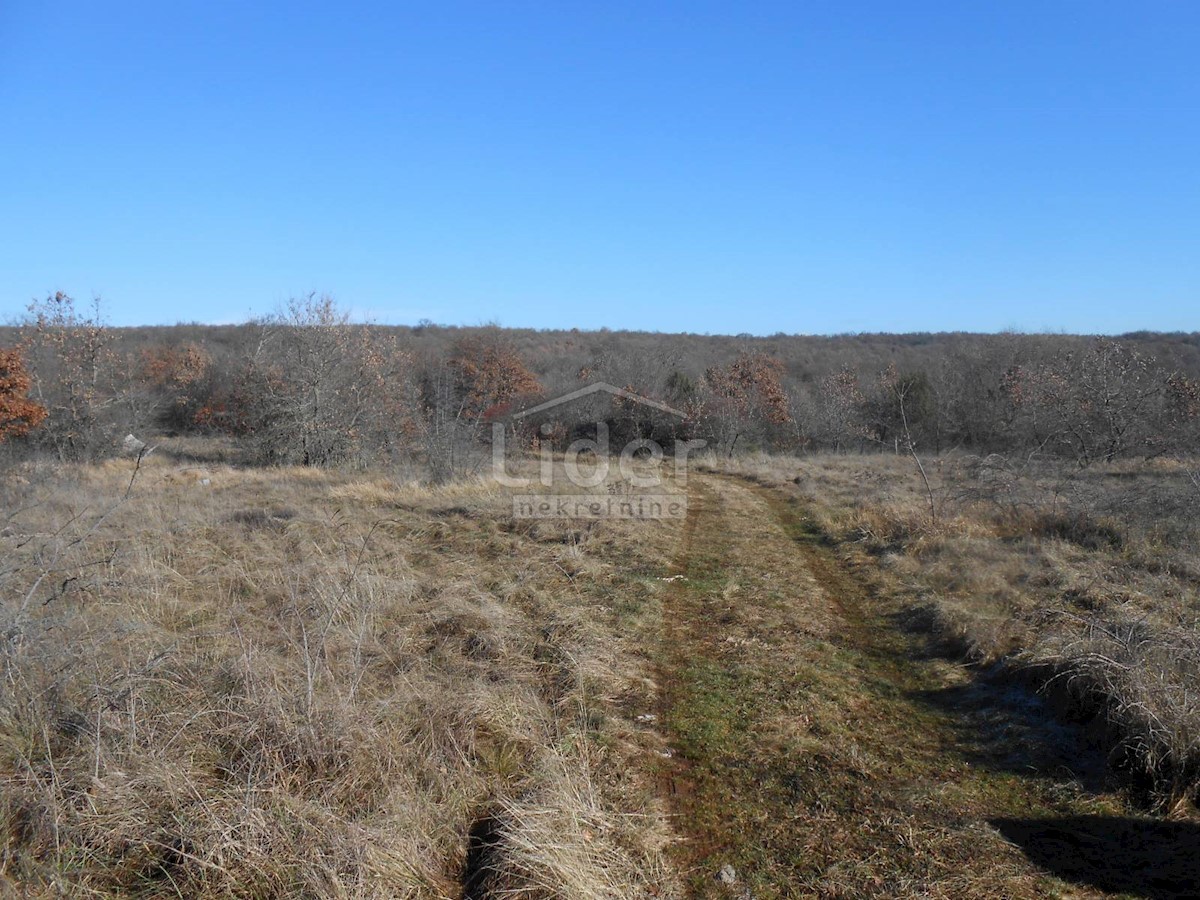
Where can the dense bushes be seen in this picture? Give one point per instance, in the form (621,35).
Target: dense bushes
(308,386)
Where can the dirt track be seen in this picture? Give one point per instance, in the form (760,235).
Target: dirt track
(820,748)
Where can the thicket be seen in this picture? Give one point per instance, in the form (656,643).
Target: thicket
(309,386)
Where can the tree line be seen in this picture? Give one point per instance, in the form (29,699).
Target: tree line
(308,386)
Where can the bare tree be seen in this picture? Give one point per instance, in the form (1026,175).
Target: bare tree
(317,389)
(1099,404)
(70,356)
(902,389)
(839,408)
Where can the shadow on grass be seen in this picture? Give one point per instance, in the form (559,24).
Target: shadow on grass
(1001,722)
(483,844)
(1140,857)
(1003,726)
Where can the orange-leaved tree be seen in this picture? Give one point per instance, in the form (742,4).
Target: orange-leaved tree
(748,394)
(481,379)
(490,375)
(18,414)
(176,377)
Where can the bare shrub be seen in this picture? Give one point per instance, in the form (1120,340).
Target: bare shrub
(71,361)
(1099,404)
(839,404)
(317,390)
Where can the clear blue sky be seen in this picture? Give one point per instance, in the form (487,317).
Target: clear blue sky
(797,166)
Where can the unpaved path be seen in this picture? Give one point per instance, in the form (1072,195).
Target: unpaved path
(819,749)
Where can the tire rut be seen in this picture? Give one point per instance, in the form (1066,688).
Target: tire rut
(808,753)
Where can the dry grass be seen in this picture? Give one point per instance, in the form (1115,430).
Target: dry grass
(235,682)
(250,683)
(1085,581)
(821,751)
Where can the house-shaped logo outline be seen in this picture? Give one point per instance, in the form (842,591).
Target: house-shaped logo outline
(597,387)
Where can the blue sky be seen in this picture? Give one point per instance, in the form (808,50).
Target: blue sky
(812,167)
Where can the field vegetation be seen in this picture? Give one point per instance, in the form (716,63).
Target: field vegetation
(1082,583)
(270,627)
(292,682)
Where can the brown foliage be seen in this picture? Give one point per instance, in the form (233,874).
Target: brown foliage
(745,396)
(178,378)
(491,374)
(174,367)
(754,382)
(18,414)
(229,408)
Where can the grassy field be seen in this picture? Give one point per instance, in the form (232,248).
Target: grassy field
(239,682)
(827,748)
(286,682)
(1083,583)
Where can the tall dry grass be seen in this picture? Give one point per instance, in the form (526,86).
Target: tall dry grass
(1085,582)
(250,683)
